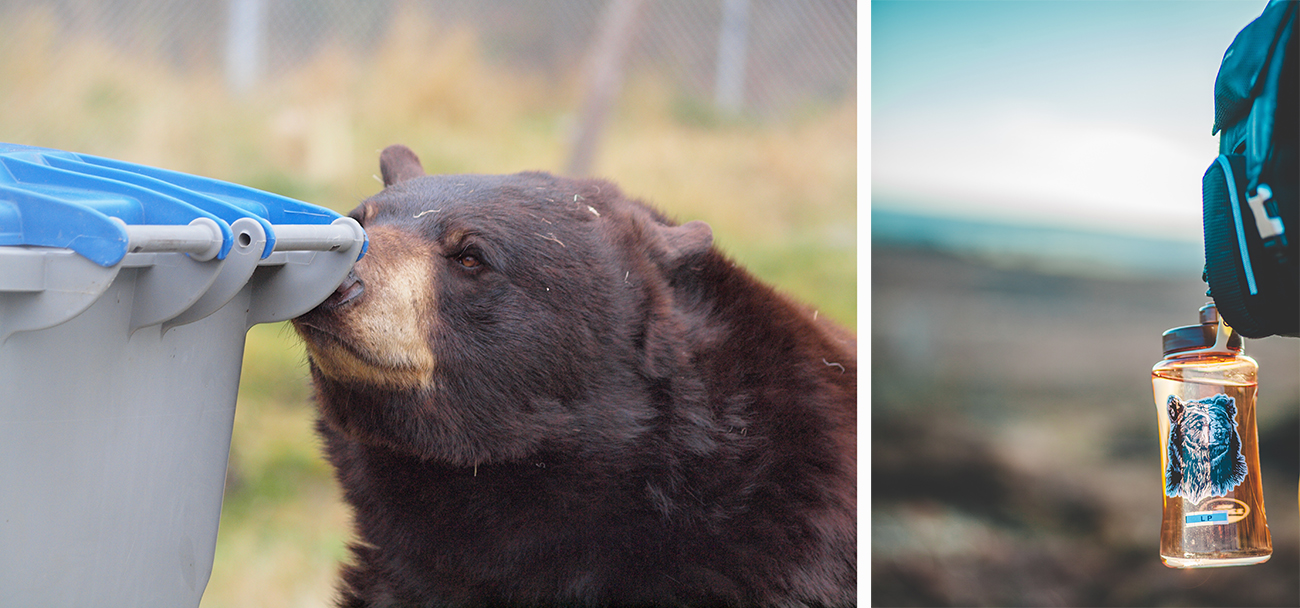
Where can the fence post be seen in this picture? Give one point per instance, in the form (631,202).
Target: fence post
(604,79)
(244,44)
(729,79)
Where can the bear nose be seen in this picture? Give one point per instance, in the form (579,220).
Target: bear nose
(349,289)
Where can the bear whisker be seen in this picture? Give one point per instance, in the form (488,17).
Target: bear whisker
(551,237)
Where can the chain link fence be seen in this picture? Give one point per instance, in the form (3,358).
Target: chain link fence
(762,57)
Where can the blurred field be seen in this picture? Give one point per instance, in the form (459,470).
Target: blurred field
(781,198)
(1015,459)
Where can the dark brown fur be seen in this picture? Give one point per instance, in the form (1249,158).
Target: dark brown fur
(613,413)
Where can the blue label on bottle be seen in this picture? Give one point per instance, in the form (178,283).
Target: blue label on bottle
(1205,518)
(1217,512)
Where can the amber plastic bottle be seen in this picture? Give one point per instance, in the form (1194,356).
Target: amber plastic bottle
(1209,452)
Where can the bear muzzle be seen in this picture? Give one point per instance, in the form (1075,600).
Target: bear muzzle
(375,328)
(351,288)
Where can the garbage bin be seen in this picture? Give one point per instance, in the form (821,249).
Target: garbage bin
(126,292)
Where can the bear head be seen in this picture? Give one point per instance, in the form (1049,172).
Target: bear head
(488,307)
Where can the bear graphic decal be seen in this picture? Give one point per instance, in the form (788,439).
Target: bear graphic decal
(1204,448)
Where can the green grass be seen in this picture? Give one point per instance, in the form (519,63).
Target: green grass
(781,199)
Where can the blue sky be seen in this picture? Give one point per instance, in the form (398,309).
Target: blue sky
(1081,113)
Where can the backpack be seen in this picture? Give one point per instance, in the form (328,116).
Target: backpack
(1249,193)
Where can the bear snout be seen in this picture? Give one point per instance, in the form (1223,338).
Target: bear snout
(376,330)
(351,288)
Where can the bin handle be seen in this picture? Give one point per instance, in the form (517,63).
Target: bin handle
(337,236)
(202,238)
(233,275)
(304,279)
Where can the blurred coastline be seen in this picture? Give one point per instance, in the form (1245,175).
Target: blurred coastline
(1058,249)
(1015,457)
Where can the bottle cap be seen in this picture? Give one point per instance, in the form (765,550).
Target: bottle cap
(1202,337)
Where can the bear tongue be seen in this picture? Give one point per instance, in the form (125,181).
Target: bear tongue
(348,290)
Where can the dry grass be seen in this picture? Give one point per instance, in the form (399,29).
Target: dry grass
(781,199)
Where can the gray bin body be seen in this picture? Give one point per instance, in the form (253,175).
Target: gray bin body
(117,400)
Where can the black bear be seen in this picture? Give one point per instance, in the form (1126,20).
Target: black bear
(537,391)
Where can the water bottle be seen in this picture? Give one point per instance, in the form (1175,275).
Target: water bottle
(1209,451)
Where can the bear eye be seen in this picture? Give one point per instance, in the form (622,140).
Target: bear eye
(468,260)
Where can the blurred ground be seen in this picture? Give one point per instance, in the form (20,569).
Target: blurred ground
(1014,453)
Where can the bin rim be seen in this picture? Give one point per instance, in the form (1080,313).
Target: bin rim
(82,202)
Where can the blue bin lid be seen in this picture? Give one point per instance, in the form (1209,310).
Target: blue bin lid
(61,199)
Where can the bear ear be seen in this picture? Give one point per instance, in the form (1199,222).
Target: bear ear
(1229,406)
(1175,409)
(397,163)
(680,244)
